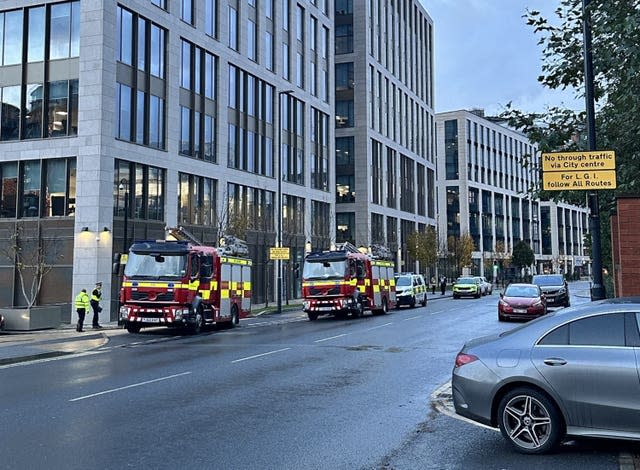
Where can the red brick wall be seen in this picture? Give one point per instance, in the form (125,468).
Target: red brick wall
(625,245)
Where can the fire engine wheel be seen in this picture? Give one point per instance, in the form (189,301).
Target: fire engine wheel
(235,318)
(133,327)
(313,316)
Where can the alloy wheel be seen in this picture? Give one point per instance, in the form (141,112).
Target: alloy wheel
(527,422)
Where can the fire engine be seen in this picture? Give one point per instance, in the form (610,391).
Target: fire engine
(181,283)
(344,281)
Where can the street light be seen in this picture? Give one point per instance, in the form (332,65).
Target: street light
(279,196)
(124,186)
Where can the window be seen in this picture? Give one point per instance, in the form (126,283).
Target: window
(11,114)
(251,40)
(30,182)
(12,53)
(186,11)
(60,184)
(233,28)
(65,30)
(344,76)
(32,119)
(123,111)
(9,194)
(62,108)
(145,187)
(35,43)
(344,113)
(211,18)
(599,330)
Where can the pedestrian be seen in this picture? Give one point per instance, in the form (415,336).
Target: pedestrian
(96,294)
(443,284)
(82,305)
(433,284)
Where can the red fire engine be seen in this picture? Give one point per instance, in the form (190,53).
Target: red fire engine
(346,281)
(184,284)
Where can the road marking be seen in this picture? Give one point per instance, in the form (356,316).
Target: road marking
(260,355)
(412,318)
(147,382)
(379,326)
(331,337)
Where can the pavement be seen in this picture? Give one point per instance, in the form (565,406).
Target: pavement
(24,346)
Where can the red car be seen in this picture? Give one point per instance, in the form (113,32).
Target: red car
(521,302)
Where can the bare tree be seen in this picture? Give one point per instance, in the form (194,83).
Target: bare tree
(33,257)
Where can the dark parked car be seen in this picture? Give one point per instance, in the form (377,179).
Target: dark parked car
(554,287)
(572,372)
(521,302)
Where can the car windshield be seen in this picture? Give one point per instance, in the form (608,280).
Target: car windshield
(548,280)
(403,281)
(324,269)
(154,265)
(521,291)
(466,280)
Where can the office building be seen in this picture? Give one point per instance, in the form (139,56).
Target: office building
(486,172)
(125,117)
(385,123)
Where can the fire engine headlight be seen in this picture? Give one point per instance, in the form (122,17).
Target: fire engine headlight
(124,312)
(306,304)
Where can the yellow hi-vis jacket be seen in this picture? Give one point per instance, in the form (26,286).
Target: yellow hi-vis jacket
(82,301)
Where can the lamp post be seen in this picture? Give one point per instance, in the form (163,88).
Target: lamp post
(124,186)
(279,198)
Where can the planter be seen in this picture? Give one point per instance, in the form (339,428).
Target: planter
(34,318)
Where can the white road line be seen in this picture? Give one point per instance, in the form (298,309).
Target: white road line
(412,318)
(331,337)
(260,355)
(130,386)
(379,326)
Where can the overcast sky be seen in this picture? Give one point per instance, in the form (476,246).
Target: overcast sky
(486,56)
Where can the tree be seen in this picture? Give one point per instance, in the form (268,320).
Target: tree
(615,29)
(523,256)
(423,246)
(33,257)
(461,250)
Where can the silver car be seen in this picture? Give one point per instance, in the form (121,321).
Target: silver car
(574,372)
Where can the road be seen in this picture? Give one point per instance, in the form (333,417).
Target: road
(276,393)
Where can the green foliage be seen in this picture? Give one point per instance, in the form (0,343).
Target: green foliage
(522,255)
(423,246)
(615,27)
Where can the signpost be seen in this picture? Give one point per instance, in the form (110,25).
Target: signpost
(579,170)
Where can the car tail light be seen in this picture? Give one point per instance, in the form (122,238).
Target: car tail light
(463,359)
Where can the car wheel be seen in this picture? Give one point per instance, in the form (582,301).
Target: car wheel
(196,328)
(478,295)
(530,421)
(424,300)
(413,302)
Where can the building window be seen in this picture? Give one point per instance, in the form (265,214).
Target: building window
(344,76)
(10,113)
(319,156)
(211,18)
(197,199)
(160,3)
(186,11)
(249,209)
(65,30)
(251,40)
(344,113)
(320,219)
(62,109)
(451,149)
(233,28)
(344,39)
(345,227)
(292,214)
(268,50)
(145,190)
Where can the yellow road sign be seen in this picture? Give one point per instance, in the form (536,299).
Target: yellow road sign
(579,161)
(279,253)
(579,180)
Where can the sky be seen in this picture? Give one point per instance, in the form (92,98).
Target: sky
(487,56)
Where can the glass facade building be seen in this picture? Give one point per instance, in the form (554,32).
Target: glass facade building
(152,113)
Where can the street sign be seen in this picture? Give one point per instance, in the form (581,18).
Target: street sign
(579,170)
(587,180)
(579,161)
(279,253)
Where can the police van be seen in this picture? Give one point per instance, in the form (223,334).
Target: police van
(411,289)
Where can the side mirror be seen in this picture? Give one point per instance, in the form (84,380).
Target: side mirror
(501,295)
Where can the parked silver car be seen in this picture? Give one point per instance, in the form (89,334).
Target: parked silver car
(573,372)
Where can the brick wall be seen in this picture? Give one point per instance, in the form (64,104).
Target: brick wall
(625,245)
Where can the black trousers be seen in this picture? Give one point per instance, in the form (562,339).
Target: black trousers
(81,314)
(95,306)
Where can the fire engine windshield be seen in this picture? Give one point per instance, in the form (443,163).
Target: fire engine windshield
(324,269)
(153,265)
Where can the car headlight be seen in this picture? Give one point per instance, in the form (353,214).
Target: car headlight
(503,303)
(562,291)
(537,303)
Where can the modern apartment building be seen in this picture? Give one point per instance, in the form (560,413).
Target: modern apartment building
(120,118)
(385,123)
(485,173)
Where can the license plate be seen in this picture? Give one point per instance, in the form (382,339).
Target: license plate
(325,309)
(151,320)
(519,310)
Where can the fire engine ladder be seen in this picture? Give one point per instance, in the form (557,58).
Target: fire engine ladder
(346,246)
(182,234)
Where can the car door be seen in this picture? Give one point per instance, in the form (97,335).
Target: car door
(591,364)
